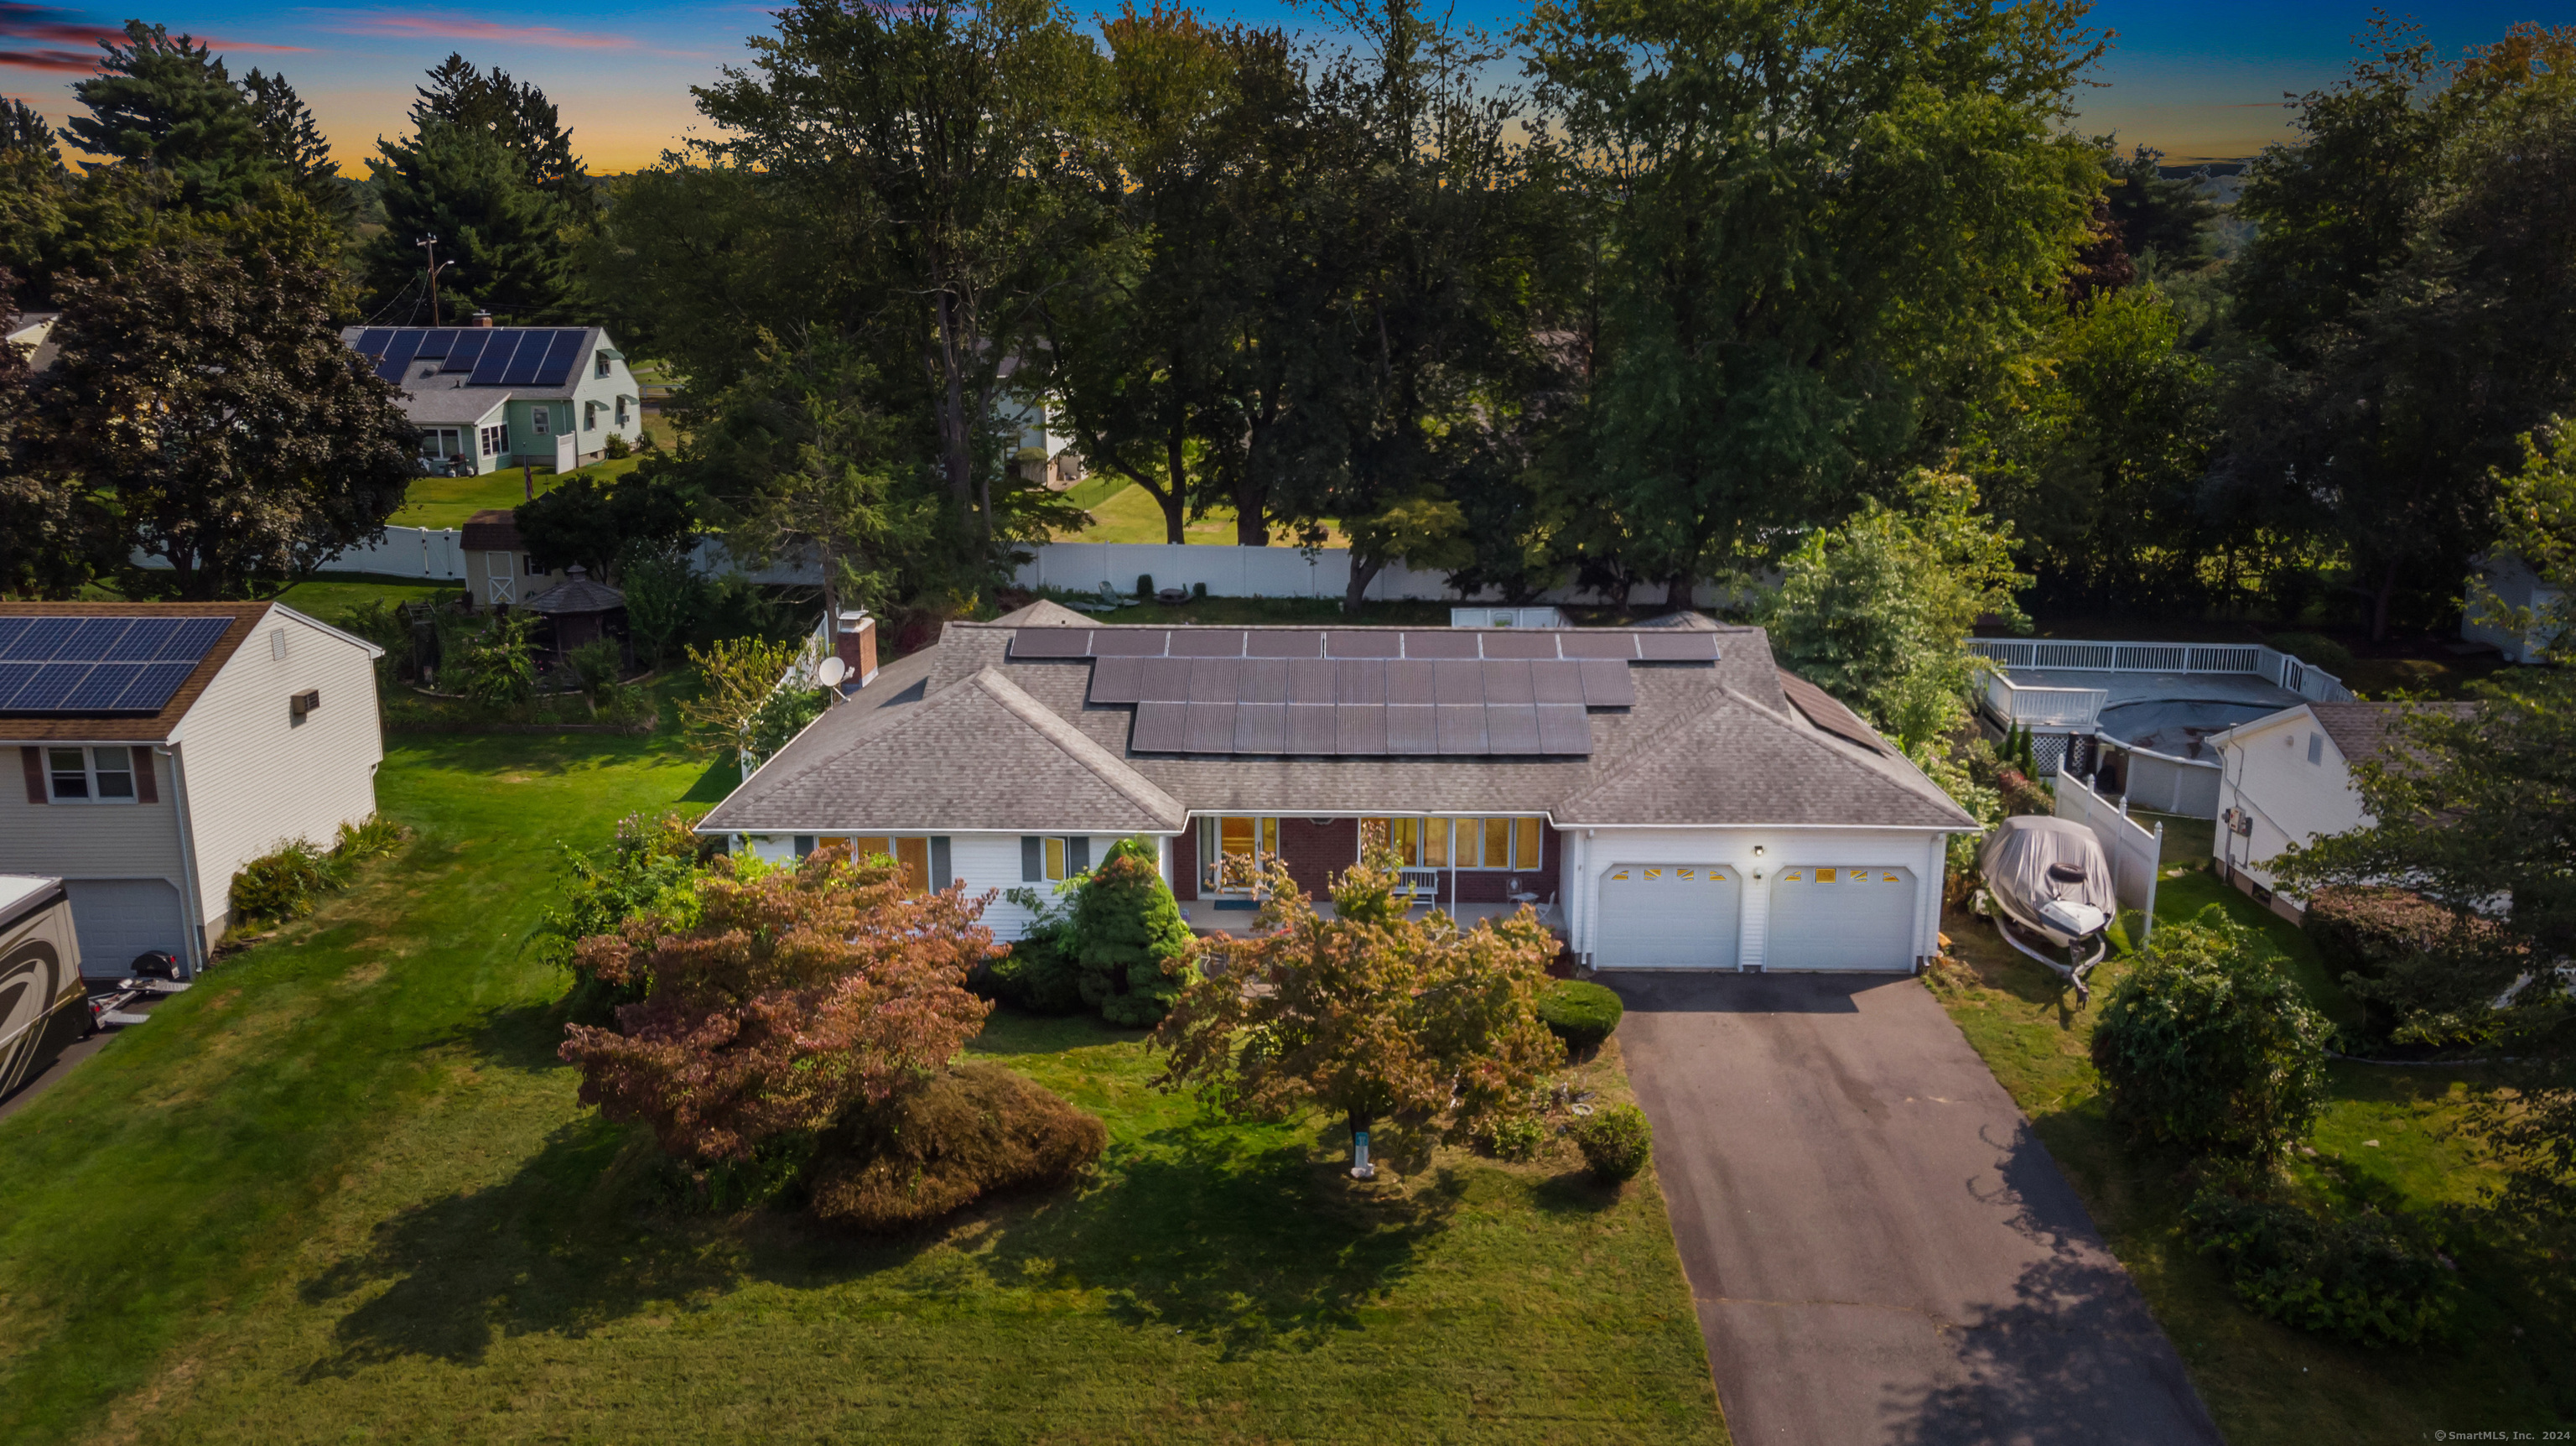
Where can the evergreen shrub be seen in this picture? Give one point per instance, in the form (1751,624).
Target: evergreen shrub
(1580,1012)
(1616,1142)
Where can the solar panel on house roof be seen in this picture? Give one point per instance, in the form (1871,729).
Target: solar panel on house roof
(467,350)
(561,357)
(398,356)
(371,342)
(99,665)
(495,359)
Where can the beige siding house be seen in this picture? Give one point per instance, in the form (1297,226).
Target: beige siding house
(162,746)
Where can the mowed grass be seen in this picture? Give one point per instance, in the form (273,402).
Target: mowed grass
(342,1190)
(2386,1139)
(452,501)
(1124,512)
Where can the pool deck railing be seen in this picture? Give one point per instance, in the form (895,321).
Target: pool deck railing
(2079,709)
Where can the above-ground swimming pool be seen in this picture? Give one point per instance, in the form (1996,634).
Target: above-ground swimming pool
(2178,727)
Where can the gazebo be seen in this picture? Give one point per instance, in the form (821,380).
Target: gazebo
(578,610)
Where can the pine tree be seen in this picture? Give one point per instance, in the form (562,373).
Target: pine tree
(516,114)
(504,234)
(167,103)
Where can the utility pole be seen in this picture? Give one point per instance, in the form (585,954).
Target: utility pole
(430,242)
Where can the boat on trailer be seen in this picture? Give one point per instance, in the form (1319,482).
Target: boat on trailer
(2050,889)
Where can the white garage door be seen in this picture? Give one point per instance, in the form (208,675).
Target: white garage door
(1834,917)
(120,918)
(1668,916)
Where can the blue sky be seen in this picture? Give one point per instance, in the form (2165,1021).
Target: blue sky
(2194,78)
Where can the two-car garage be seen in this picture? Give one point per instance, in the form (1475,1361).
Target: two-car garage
(1814,917)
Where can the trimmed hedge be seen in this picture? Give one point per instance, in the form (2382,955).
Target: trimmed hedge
(2366,931)
(1581,1013)
(1616,1143)
(972,1131)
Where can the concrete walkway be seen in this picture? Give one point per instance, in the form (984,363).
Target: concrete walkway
(1880,1249)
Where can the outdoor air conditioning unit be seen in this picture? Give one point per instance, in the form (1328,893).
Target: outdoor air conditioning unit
(300,704)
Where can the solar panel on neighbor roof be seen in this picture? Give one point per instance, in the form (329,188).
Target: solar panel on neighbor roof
(436,342)
(495,358)
(467,350)
(561,357)
(99,665)
(371,342)
(1451,645)
(398,356)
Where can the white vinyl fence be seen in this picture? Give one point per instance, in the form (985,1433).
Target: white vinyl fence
(2247,659)
(2134,852)
(2077,708)
(2187,786)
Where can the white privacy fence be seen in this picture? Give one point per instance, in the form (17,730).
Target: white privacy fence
(438,554)
(2135,853)
(2078,708)
(2243,659)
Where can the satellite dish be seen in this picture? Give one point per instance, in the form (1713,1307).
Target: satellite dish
(830,672)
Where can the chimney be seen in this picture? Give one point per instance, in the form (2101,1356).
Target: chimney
(855,644)
(483,318)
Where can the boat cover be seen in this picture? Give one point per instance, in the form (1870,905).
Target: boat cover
(2017,855)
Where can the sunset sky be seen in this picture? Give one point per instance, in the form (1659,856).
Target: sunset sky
(2194,78)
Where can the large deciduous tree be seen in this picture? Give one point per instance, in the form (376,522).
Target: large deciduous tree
(1369,1015)
(207,390)
(2417,307)
(938,141)
(46,521)
(1828,223)
(784,998)
(1878,611)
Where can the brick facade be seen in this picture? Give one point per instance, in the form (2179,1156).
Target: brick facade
(1315,851)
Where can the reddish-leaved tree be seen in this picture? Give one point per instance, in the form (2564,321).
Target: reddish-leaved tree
(794,994)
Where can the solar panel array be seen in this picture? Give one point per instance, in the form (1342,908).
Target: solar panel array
(99,665)
(489,356)
(1362,692)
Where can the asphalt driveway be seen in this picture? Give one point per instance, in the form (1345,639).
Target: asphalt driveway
(1880,1249)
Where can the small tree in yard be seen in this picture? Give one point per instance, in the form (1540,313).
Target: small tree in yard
(1128,939)
(794,995)
(2207,1044)
(740,674)
(1371,1014)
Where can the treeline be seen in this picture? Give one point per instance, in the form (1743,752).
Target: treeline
(1678,289)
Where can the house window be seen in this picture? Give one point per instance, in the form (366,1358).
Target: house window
(496,440)
(1046,859)
(590,416)
(1234,836)
(442,442)
(529,560)
(1457,843)
(601,361)
(2316,748)
(922,858)
(541,418)
(90,775)
(621,414)
(804,844)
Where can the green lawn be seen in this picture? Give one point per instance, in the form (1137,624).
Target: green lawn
(450,501)
(328,597)
(1124,512)
(342,1191)
(2384,1139)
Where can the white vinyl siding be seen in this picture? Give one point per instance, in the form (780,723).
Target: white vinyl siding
(255,777)
(75,841)
(980,861)
(1843,916)
(1669,916)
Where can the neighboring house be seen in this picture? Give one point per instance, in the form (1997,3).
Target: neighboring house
(165,745)
(1666,796)
(499,572)
(34,334)
(2286,778)
(2542,609)
(487,397)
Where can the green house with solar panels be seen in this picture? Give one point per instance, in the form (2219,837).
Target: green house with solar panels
(163,746)
(492,397)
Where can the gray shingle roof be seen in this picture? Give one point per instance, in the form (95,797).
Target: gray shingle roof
(981,754)
(1703,745)
(2361,730)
